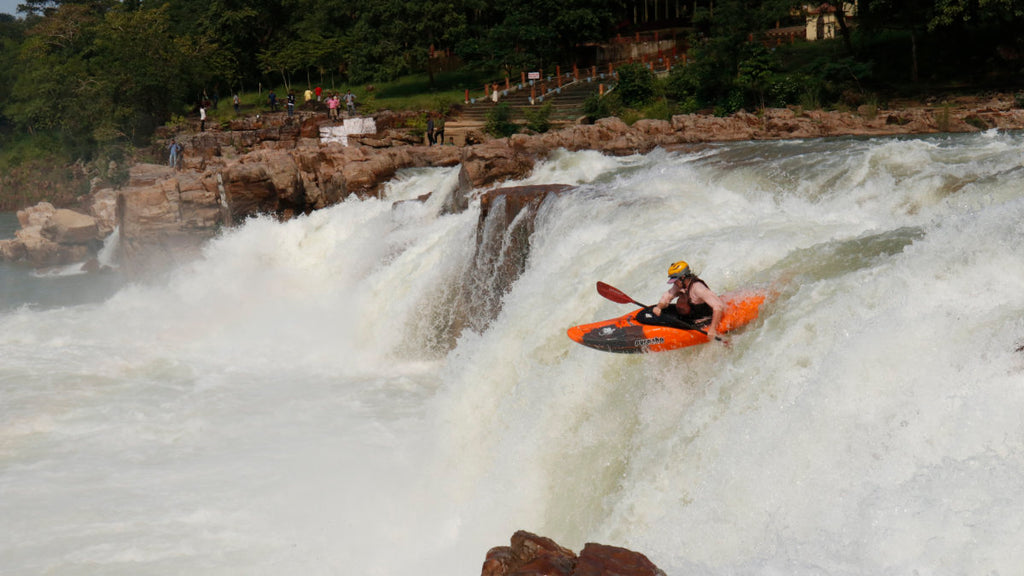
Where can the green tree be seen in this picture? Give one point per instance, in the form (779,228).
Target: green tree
(520,40)
(909,16)
(581,21)
(52,73)
(950,12)
(715,78)
(535,34)
(240,30)
(11,36)
(292,56)
(635,85)
(394,37)
(98,75)
(436,25)
(141,73)
(755,72)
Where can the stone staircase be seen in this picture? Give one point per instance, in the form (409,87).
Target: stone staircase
(567,103)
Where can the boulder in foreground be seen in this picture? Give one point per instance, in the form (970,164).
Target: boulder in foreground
(533,555)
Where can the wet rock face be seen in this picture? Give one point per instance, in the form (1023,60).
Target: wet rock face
(533,555)
(504,232)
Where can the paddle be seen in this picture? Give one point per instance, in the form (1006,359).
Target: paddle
(615,295)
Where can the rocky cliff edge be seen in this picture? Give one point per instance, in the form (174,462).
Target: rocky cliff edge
(280,166)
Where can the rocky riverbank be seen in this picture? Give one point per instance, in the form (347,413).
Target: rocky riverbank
(282,166)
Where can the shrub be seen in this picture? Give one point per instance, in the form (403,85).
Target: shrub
(538,119)
(635,85)
(499,122)
(630,116)
(977,121)
(785,89)
(810,99)
(417,124)
(689,106)
(731,104)
(597,106)
(682,83)
(659,110)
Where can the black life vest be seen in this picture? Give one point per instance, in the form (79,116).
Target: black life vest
(688,310)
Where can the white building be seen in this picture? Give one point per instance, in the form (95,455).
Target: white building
(821,20)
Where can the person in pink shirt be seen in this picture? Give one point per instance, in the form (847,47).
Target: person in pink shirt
(332,107)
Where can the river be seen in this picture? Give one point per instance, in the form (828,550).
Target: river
(297,401)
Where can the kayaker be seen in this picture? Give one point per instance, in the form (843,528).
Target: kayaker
(695,302)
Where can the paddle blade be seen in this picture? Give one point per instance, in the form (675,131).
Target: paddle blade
(614,294)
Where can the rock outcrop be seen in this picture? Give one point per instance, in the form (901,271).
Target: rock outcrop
(52,237)
(532,555)
(504,230)
(278,166)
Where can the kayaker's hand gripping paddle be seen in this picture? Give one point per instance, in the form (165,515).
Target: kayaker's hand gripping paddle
(615,295)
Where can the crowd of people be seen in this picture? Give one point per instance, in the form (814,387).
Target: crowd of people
(312,98)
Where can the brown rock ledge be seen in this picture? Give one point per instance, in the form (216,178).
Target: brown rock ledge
(533,555)
(274,166)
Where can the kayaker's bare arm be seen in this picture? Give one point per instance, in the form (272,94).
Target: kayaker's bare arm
(666,299)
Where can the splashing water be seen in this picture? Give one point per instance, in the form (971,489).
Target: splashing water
(304,399)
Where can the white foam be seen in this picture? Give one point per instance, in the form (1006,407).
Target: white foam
(297,400)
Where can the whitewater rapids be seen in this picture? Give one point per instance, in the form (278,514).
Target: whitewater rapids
(302,400)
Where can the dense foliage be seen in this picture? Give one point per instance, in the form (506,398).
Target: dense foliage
(893,47)
(99,71)
(95,77)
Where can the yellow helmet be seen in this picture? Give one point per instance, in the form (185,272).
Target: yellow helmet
(679,270)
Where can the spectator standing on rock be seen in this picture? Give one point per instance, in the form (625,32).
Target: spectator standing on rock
(202,117)
(236,101)
(350,102)
(272,100)
(318,91)
(308,96)
(179,155)
(173,159)
(332,106)
(430,130)
(291,103)
(439,131)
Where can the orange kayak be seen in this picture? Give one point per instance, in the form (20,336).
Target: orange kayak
(634,332)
